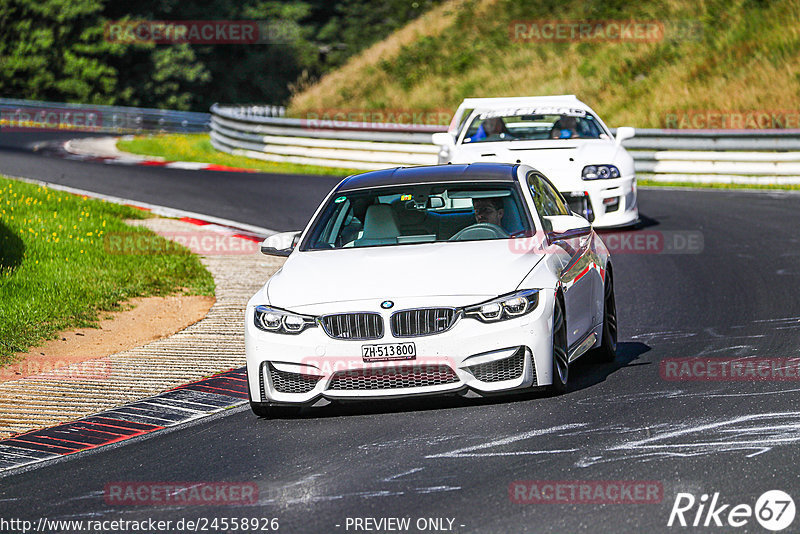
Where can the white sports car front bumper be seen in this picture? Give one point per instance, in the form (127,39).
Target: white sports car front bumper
(613,202)
(472,357)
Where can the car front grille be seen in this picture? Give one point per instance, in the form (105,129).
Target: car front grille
(360,326)
(393,378)
(499,370)
(422,322)
(285,382)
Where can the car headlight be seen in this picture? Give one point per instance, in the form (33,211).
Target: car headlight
(600,172)
(280,321)
(508,306)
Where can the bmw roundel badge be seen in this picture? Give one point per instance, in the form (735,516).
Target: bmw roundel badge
(386,304)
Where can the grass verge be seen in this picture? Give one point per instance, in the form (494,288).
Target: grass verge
(56,271)
(694,185)
(197,147)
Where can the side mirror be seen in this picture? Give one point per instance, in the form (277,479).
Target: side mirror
(624,132)
(566,227)
(443,139)
(280,244)
(446,143)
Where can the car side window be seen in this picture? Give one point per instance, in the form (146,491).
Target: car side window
(547,200)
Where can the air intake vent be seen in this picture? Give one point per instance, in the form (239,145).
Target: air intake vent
(291,382)
(422,322)
(393,378)
(497,371)
(356,326)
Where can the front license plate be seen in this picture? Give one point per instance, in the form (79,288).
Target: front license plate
(388,351)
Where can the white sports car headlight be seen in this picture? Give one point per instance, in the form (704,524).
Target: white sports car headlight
(504,307)
(599,172)
(280,321)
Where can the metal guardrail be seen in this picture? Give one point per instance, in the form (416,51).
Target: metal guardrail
(22,115)
(717,156)
(732,156)
(323,142)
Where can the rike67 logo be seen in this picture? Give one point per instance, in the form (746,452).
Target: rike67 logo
(774,510)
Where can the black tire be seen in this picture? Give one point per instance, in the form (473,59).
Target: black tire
(560,361)
(263,409)
(607,351)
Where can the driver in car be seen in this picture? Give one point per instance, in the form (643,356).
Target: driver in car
(491,129)
(488,210)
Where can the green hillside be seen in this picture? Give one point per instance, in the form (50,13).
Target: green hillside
(713,55)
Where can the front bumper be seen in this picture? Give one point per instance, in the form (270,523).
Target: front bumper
(606,203)
(471,358)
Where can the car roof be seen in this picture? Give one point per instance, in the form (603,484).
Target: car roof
(501,102)
(486,172)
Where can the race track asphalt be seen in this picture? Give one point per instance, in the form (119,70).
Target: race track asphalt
(456,458)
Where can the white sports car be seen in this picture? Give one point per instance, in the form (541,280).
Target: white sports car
(559,135)
(464,279)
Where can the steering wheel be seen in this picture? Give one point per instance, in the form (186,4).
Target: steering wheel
(480,231)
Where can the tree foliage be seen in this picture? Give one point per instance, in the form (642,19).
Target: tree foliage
(58,50)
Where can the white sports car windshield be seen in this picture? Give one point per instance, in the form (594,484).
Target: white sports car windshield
(421,213)
(514,125)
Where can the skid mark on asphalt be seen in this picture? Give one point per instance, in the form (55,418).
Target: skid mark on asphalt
(408,441)
(713,334)
(754,434)
(392,478)
(471,452)
(678,394)
(750,435)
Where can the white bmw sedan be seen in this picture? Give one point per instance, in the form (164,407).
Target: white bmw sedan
(559,135)
(452,279)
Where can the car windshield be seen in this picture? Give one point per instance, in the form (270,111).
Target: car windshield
(420,213)
(532,124)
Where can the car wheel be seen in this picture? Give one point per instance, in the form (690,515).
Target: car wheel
(607,352)
(262,409)
(560,361)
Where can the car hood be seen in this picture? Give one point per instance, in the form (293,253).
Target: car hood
(479,268)
(553,158)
